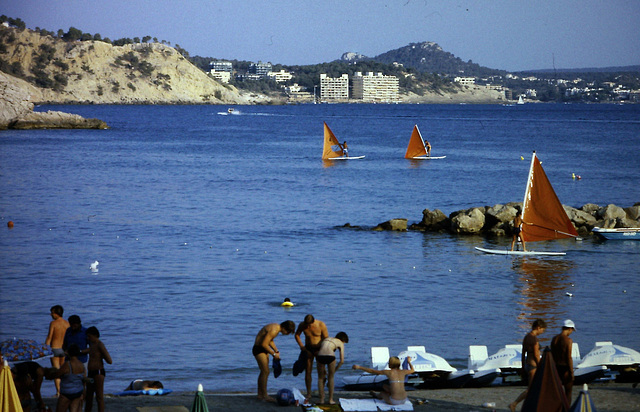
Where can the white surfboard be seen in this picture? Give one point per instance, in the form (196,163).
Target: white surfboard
(428,157)
(346,158)
(518,252)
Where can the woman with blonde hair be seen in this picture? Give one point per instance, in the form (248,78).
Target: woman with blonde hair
(393,393)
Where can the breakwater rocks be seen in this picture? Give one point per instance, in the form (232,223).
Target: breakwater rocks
(498,220)
(55,120)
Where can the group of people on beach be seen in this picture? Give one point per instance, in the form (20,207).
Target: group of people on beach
(320,346)
(560,349)
(77,367)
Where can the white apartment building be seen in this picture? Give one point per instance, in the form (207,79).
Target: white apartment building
(465,81)
(375,87)
(281,76)
(334,88)
(222,77)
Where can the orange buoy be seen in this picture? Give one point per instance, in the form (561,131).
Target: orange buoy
(10,224)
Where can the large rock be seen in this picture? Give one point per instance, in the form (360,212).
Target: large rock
(501,213)
(611,212)
(434,220)
(633,212)
(468,222)
(582,218)
(56,120)
(399,225)
(14,100)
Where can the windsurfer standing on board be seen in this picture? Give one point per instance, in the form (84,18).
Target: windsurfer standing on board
(427,147)
(345,149)
(517,229)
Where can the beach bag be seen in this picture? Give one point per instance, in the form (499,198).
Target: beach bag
(285,397)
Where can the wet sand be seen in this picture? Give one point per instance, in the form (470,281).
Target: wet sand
(608,397)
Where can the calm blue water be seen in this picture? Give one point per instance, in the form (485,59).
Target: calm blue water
(202,224)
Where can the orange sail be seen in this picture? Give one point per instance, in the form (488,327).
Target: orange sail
(543,216)
(416,145)
(332,148)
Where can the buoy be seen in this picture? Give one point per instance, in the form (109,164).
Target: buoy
(10,224)
(287,302)
(573,176)
(521,158)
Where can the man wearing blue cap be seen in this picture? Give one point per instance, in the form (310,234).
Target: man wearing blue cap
(561,346)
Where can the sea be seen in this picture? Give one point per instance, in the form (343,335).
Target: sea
(203,221)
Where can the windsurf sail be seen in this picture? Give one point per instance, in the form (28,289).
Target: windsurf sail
(332,147)
(416,145)
(543,216)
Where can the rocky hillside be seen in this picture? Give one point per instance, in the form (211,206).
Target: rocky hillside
(98,72)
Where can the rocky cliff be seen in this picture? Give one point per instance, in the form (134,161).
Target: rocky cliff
(98,72)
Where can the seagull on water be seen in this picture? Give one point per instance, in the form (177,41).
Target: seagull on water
(94,266)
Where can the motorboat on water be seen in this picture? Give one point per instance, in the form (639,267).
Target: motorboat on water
(622,233)
(508,361)
(432,371)
(619,362)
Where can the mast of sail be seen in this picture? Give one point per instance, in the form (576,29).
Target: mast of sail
(332,148)
(416,145)
(543,216)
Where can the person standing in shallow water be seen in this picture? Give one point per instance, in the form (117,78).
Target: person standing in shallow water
(264,346)
(55,339)
(530,357)
(561,347)
(314,332)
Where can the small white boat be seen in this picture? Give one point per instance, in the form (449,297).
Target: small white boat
(434,370)
(624,363)
(508,361)
(626,233)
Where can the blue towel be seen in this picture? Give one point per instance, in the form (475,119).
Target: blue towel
(277,367)
(301,364)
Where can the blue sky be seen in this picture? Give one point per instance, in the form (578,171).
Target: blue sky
(512,35)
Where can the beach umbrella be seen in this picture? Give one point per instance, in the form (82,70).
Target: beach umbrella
(583,403)
(9,400)
(20,350)
(199,403)
(546,393)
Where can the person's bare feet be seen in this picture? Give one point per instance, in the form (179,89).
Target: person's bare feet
(332,402)
(266,399)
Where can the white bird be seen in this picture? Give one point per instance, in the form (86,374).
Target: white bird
(94,266)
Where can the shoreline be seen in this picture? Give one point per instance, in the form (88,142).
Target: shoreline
(607,397)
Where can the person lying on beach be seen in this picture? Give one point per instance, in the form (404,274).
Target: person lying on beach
(392,393)
(265,346)
(327,356)
(140,385)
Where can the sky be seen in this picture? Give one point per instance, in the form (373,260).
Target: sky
(511,35)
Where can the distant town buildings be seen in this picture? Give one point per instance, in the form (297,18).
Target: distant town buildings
(375,87)
(334,88)
(465,81)
(260,69)
(221,71)
(281,76)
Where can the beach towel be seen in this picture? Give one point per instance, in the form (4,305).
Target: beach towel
(277,367)
(372,405)
(301,364)
(151,392)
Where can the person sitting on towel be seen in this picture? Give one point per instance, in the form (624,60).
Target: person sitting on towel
(392,393)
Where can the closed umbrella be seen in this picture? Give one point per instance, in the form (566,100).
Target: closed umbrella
(9,400)
(199,403)
(546,393)
(583,403)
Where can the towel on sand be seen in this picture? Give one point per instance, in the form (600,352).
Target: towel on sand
(372,405)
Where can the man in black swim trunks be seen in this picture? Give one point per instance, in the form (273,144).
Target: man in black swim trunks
(314,332)
(265,346)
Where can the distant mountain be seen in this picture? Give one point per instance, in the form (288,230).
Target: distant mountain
(616,69)
(427,57)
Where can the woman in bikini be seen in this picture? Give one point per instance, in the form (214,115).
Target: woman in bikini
(71,375)
(393,393)
(327,356)
(98,354)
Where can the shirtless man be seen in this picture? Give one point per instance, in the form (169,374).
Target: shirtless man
(265,346)
(327,356)
(55,339)
(530,357)
(561,346)
(314,332)
(393,393)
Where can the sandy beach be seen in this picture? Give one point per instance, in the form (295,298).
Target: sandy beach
(608,397)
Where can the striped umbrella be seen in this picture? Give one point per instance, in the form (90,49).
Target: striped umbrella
(583,403)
